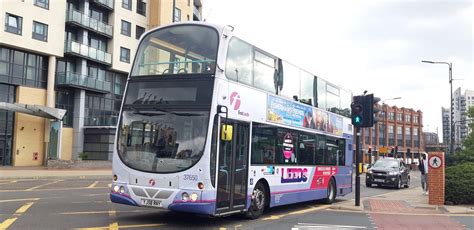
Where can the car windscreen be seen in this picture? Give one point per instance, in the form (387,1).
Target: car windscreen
(386,164)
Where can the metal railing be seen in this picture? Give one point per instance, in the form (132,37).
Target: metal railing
(88,22)
(87,52)
(82,81)
(107,3)
(197,13)
(101,121)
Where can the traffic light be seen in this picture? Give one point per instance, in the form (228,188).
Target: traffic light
(357,115)
(370,150)
(371,110)
(392,151)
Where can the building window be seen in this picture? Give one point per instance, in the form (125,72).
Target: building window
(40,31)
(141,7)
(124,55)
(13,23)
(177,15)
(42,3)
(399,117)
(98,43)
(407,118)
(126,28)
(391,116)
(139,31)
(65,100)
(127,4)
(21,68)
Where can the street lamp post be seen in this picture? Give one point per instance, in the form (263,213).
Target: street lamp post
(451,144)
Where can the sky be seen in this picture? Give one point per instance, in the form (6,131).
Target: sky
(373,45)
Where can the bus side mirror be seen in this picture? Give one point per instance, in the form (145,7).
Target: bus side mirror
(226,133)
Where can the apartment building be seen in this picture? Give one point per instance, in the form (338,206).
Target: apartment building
(446,119)
(461,104)
(398,133)
(73,55)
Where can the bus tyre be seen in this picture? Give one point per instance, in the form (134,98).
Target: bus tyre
(258,201)
(331,195)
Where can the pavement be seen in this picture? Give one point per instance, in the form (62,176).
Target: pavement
(406,200)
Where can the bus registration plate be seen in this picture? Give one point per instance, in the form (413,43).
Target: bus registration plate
(151,203)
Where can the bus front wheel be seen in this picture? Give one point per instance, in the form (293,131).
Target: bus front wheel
(331,195)
(258,201)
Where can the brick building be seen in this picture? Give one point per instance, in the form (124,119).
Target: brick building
(399,130)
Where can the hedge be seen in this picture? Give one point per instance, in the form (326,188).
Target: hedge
(460,183)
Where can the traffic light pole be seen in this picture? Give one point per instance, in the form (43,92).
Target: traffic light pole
(357,160)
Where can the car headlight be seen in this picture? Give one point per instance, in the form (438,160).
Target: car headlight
(392,173)
(369,171)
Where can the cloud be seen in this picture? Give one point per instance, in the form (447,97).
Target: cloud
(366,45)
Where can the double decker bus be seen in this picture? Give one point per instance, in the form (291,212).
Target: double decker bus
(211,124)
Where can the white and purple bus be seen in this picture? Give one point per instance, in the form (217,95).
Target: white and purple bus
(211,124)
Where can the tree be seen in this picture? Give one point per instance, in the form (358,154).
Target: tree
(467,154)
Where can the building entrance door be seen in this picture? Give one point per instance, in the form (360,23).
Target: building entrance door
(7,94)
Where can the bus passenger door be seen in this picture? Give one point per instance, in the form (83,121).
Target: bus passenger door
(232,167)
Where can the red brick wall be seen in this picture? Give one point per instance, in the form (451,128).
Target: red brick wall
(436,181)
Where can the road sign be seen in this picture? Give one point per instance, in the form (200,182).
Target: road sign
(383,150)
(435,162)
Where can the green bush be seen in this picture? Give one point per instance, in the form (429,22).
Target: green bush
(460,183)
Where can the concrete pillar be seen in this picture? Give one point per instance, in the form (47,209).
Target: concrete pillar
(50,102)
(78,123)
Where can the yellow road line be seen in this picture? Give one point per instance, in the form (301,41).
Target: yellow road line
(23,208)
(26,199)
(39,186)
(5,224)
(8,222)
(93,185)
(311,209)
(113,226)
(122,226)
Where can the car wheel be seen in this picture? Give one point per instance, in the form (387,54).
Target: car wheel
(399,185)
(407,185)
(331,195)
(368,185)
(258,201)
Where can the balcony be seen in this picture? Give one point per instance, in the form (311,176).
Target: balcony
(101,121)
(80,19)
(196,14)
(85,51)
(108,4)
(70,79)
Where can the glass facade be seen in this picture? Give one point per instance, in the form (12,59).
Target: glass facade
(65,100)
(22,68)
(7,94)
(103,109)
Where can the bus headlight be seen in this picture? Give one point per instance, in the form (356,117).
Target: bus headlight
(185,196)
(194,196)
(116,188)
(122,189)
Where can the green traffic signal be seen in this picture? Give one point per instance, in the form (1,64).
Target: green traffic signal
(357,120)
